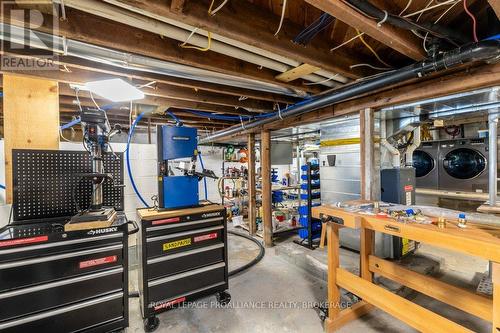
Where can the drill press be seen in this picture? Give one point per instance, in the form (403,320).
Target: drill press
(96,135)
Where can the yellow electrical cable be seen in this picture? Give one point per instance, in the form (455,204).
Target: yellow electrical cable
(203,49)
(371,49)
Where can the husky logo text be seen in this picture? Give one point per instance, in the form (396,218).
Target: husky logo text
(102,231)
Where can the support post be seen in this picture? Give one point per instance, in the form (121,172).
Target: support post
(252,206)
(332,232)
(31,118)
(370,185)
(265,164)
(369,179)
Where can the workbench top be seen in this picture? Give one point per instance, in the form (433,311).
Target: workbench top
(150,214)
(475,239)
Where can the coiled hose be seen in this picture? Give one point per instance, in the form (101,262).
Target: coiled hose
(259,257)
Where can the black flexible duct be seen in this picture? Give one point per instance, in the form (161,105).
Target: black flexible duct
(482,51)
(437,30)
(254,261)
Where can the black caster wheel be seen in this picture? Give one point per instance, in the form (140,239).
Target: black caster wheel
(151,324)
(223,298)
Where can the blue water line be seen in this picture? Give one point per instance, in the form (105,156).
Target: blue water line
(494,37)
(204,178)
(127,156)
(2,187)
(176,119)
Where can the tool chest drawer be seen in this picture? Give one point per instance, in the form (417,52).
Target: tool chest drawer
(184,261)
(184,241)
(105,309)
(23,248)
(43,269)
(27,301)
(184,223)
(169,287)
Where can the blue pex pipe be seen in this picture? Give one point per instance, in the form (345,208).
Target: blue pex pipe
(127,156)
(2,187)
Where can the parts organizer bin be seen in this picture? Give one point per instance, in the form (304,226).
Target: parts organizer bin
(310,191)
(183,256)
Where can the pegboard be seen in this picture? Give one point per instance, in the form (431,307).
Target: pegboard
(44,181)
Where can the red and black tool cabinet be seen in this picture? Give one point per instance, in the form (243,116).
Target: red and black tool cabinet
(56,281)
(183,257)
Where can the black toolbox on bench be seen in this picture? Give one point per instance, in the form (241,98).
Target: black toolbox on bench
(183,257)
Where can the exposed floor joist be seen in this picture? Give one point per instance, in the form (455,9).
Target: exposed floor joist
(400,40)
(247,23)
(89,28)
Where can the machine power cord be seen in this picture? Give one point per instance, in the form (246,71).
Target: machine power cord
(259,257)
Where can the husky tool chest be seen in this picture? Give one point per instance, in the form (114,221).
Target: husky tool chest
(56,281)
(183,257)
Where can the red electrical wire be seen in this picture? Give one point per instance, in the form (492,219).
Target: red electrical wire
(474,24)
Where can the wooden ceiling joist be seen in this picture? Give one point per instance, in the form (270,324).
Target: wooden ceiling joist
(248,23)
(95,30)
(495,4)
(400,40)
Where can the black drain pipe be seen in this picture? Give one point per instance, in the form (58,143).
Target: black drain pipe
(482,51)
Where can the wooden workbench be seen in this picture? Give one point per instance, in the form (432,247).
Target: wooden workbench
(474,240)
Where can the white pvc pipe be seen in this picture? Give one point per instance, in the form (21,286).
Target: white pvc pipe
(396,161)
(165,27)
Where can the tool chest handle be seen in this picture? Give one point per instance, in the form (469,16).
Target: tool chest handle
(136,227)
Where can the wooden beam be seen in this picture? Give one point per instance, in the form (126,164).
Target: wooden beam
(462,299)
(332,234)
(495,4)
(177,5)
(370,182)
(89,28)
(31,118)
(400,40)
(267,206)
(252,205)
(256,29)
(297,72)
(414,315)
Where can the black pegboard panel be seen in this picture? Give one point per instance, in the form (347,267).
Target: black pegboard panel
(44,181)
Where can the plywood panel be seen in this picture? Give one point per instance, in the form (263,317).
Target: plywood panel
(31,117)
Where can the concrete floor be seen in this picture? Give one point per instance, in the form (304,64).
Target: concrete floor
(286,295)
